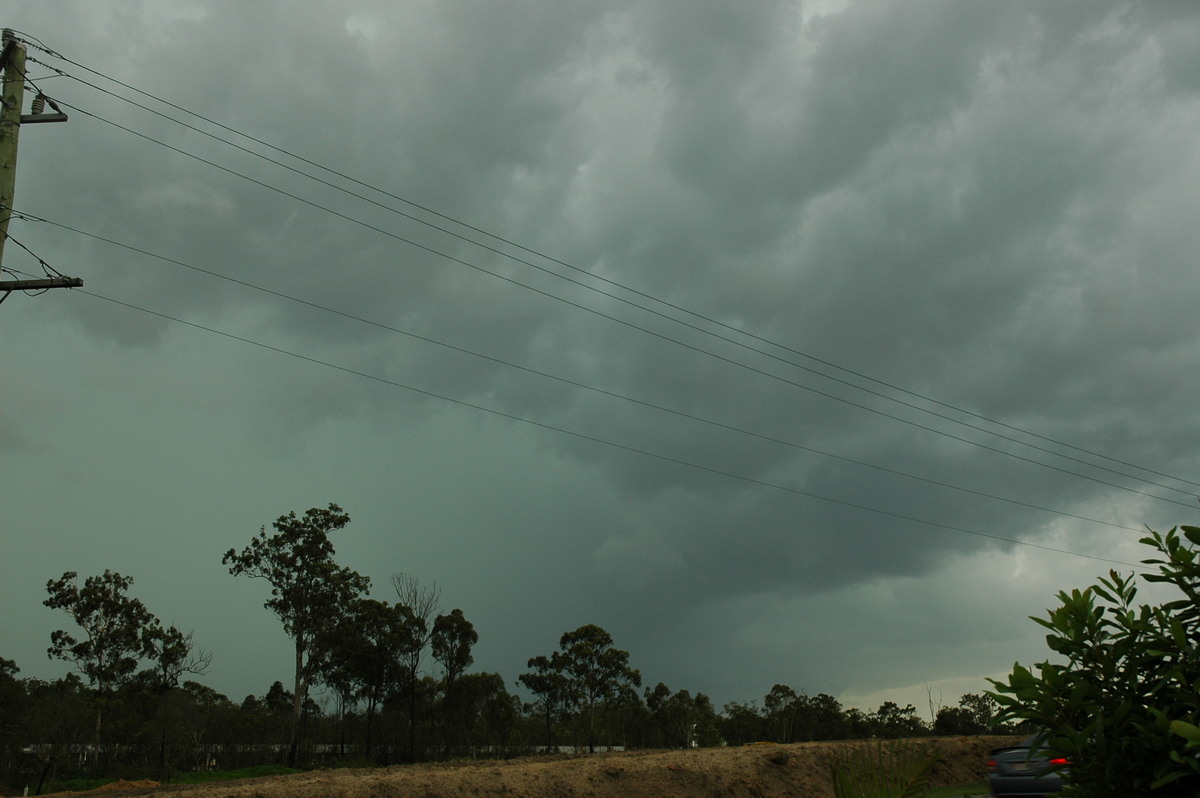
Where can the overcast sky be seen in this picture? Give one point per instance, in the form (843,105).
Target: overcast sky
(805,343)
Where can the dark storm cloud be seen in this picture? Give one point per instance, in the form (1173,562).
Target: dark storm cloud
(988,204)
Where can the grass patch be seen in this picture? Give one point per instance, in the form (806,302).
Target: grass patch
(75,785)
(959,791)
(190,777)
(205,776)
(898,769)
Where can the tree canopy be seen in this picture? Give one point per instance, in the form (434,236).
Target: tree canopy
(114,626)
(595,671)
(309,591)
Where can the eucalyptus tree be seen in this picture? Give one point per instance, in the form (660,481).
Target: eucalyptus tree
(552,691)
(780,710)
(309,591)
(742,723)
(365,657)
(973,715)
(451,641)
(894,721)
(391,633)
(679,719)
(596,671)
(824,719)
(13,707)
(57,716)
(423,603)
(492,711)
(173,654)
(116,630)
(337,669)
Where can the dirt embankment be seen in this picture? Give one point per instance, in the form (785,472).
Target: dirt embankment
(799,770)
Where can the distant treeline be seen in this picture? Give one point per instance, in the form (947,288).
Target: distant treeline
(48,728)
(373,683)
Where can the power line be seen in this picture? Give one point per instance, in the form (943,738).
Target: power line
(605,442)
(606,281)
(570,382)
(587,437)
(647,331)
(32,285)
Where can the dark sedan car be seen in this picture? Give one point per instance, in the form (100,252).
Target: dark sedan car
(1024,771)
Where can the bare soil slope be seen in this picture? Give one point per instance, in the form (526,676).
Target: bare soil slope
(799,770)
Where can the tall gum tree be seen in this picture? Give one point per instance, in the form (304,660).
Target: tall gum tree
(309,591)
(422,603)
(116,629)
(365,659)
(451,641)
(550,687)
(595,671)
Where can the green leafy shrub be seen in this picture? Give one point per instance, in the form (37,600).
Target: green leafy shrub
(1125,703)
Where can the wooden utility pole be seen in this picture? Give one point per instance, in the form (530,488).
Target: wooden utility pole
(13,98)
(10,128)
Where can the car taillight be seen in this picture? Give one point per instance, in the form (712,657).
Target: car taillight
(1060,762)
(991,764)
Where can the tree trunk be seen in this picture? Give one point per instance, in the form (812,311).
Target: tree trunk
(412,719)
(591,727)
(370,724)
(42,776)
(162,751)
(549,732)
(297,702)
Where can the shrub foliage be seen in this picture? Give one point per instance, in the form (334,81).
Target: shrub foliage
(1123,703)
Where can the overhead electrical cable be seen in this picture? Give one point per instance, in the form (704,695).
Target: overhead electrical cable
(544,293)
(47,270)
(634,291)
(565,380)
(645,330)
(604,442)
(608,281)
(46,267)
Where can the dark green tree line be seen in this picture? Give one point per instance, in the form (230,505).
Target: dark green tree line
(372,682)
(116,633)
